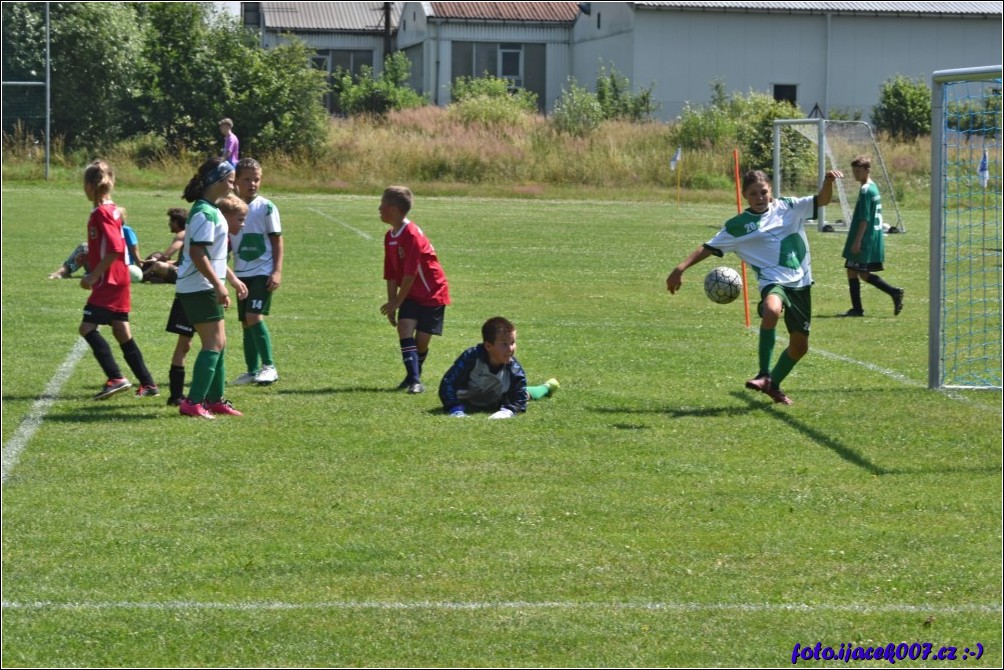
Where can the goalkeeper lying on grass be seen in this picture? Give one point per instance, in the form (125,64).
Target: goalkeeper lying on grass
(488,378)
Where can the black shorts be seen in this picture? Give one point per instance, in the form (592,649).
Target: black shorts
(177,322)
(430,319)
(863,267)
(102,316)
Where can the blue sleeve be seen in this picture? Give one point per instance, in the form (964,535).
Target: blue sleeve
(456,378)
(516,397)
(130,235)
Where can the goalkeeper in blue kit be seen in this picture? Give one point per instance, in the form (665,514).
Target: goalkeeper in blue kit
(488,378)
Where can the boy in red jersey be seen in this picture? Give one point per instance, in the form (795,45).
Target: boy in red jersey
(108,281)
(417,291)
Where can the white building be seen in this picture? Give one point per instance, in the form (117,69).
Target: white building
(832,55)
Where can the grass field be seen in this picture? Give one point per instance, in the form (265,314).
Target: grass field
(651,513)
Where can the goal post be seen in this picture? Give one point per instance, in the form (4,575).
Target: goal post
(834,144)
(964,328)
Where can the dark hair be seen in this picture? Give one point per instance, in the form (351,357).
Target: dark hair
(400,197)
(753,177)
(495,326)
(862,160)
(247,164)
(178,216)
(196,186)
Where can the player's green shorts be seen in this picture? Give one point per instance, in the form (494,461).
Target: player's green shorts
(201,306)
(797,306)
(259,298)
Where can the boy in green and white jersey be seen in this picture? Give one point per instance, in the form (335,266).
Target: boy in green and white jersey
(258,255)
(770,237)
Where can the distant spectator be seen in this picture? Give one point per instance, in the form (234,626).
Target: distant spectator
(231,145)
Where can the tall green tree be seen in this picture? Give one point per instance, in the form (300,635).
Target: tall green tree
(904,108)
(95,55)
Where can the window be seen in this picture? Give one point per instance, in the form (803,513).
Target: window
(523,65)
(511,64)
(786,92)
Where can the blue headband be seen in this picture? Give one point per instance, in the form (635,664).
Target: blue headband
(217,173)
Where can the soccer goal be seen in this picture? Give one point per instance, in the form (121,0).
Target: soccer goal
(965,273)
(804,149)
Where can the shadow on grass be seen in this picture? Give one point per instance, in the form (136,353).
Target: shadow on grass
(757,404)
(850,455)
(336,391)
(104,412)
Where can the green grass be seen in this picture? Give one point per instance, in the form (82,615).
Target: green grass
(651,513)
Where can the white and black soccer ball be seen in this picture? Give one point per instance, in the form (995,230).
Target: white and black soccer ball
(135,273)
(723,285)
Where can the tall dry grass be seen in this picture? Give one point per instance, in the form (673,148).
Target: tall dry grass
(440,151)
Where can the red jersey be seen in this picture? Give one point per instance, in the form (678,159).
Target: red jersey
(409,253)
(104,235)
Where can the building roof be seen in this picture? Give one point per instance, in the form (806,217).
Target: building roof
(547,12)
(870,8)
(353,17)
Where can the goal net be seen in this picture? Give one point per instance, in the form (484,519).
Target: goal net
(833,145)
(965,272)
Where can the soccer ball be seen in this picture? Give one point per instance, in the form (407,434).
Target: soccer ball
(135,273)
(723,285)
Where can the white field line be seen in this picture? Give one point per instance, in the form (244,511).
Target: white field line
(31,422)
(447,606)
(899,377)
(361,233)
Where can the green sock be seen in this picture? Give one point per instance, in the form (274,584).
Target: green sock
(250,351)
(217,386)
(784,365)
(767,339)
(202,374)
(538,392)
(262,342)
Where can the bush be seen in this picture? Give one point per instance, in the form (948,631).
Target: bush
(490,101)
(904,109)
(375,96)
(746,123)
(613,92)
(577,112)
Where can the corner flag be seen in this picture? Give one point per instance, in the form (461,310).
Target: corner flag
(983,170)
(676,158)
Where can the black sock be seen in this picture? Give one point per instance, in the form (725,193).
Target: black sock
(855,288)
(409,355)
(176,381)
(422,355)
(103,353)
(134,359)
(881,284)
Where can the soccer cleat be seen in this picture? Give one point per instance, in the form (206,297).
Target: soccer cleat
(244,378)
(897,302)
(416,387)
(111,387)
(853,312)
(147,391)
(266,375)
(222,406)
(778,395)
(404,384)
(552,385)
(759,383)
(196,409)
(174,401)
